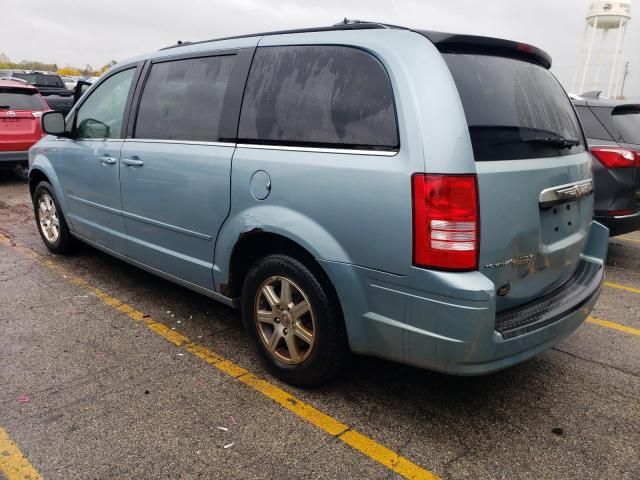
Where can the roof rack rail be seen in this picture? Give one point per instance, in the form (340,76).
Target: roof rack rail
(345,24)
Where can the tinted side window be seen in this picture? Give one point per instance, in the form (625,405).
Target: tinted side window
(183,99)
(328,96)
(591,125)
(101,115)
(513,108)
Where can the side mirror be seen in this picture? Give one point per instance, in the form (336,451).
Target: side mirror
(53,123)
(81,87)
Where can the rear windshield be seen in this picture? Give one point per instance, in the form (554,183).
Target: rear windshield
(515,109)
(623,123)
(13,100)
(40,79)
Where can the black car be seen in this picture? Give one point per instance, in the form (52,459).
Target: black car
(612,128)
(49,84)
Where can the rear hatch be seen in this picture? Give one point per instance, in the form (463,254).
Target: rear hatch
(533,168)
(622,122)
(20,112)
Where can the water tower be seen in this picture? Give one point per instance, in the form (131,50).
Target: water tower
(603,16)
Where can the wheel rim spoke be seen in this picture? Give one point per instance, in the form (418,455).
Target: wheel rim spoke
(292,347)
(299,309)
(303,334)
(265,317)
(275,339)
(285,292)
(270,294)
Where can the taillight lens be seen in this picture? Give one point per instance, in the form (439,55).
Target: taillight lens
(446,224)
(612,157)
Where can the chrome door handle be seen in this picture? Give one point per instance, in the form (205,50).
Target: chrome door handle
(107,160)
(133,162)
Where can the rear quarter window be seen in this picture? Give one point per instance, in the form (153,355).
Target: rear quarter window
(511,106)
(318,96)
(591,125)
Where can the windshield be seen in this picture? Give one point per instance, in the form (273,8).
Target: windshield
(40,79)
(515,109)
(14,100)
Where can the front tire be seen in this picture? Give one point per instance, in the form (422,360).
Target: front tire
(293,320)
(50,221)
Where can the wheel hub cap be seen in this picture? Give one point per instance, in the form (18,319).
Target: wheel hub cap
(284,319)
(48,218)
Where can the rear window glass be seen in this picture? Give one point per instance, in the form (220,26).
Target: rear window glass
(318,96)
(40,79)
(624,124)
(591,125)
(184,99)
(13,100)
(515,109)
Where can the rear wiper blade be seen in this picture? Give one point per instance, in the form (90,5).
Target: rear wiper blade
(5,107)
(555,141)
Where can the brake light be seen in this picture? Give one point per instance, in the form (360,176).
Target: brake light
(613,157)
(446,224)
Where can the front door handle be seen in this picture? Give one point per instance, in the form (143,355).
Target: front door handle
(133,162)
(107,160)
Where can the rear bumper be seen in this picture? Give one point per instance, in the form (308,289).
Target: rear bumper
(622,224)
(447,321)
(14,158)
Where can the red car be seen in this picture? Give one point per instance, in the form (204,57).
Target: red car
(21,107)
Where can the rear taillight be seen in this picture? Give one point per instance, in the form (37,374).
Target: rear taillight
(446,224)
(613,157)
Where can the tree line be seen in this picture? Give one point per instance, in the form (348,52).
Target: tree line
(87,71)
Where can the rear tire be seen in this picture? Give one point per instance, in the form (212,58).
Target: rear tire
(50,220)
(294,321)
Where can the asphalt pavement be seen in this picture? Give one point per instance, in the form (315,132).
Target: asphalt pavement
(107,372)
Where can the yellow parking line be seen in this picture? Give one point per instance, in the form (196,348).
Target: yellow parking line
(622,287)
(614,326)
(321,420)
(13,464)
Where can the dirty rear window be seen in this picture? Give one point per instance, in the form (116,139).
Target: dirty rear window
(318,96)
(12,99)
(515,109)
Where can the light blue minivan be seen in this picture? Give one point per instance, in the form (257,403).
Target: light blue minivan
(417,196)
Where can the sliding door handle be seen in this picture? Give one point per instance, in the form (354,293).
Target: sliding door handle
(133,161)
(107,160)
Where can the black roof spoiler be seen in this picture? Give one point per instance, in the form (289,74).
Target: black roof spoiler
(626,108)
(454,43)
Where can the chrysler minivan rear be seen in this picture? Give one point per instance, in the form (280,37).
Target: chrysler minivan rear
(507,260)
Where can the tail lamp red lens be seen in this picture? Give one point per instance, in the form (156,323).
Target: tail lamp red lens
(614,157)
(446,224)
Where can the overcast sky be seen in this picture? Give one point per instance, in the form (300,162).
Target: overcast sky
(79,32)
